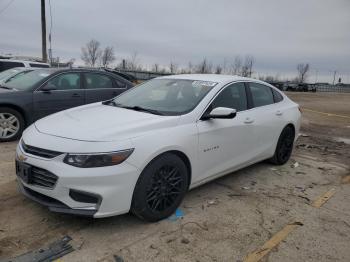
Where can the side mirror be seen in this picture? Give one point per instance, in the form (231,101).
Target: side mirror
(48,87)
(220,112)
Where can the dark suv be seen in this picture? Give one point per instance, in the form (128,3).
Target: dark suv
(42,92)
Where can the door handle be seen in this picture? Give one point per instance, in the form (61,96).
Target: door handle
(279,113)
(76,95)
(248,120)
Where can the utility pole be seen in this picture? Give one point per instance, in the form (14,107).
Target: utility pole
(334,74)
(43,32)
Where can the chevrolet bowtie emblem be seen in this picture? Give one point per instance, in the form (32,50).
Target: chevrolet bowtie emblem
(22,158)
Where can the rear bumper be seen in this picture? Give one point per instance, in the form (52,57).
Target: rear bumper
(53,204)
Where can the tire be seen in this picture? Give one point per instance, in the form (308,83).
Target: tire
(11,124)
(160,188)
(284,146)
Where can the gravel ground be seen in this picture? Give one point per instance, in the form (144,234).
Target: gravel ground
(224,220)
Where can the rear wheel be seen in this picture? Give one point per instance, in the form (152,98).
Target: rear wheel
(284,146)
(160,188)
(11,124)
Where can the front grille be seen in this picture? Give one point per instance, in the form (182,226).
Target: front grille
(39,151)
(42,177)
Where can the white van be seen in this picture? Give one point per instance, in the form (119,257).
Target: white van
(11,63)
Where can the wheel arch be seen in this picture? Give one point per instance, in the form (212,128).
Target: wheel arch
(18,109)
(186,160)
(292,126)
(178,153)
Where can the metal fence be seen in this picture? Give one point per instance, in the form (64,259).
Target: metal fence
(333,88)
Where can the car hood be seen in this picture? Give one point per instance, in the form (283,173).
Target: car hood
(101,123)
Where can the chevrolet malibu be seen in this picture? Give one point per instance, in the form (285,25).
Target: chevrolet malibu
(143,150)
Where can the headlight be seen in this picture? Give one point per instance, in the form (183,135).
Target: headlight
(97,160)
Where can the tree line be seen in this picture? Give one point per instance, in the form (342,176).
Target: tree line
(93,55)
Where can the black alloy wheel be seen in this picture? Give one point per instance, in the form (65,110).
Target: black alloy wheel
(284,146)
(160,188)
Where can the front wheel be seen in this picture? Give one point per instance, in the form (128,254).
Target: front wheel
(11,124)
(160,188)
(284,146)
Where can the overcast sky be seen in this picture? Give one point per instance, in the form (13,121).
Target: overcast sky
(278,33)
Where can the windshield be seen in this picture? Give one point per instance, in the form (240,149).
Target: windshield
(26,80)
(166,96)
(5,74)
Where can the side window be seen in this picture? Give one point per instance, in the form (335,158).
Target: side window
(65,81)
(97,81)
(277,97)
(119,83)
(8,65)
(261,94)
(233,96)
(39,65)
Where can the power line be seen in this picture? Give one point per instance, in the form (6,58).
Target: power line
(7,6)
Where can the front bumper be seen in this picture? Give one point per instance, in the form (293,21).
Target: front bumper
(53,204)
(114,186)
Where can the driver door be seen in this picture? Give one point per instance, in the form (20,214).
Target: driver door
(67,92)
(225,144)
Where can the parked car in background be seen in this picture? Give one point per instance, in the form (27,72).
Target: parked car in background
(42,92)
(143,150)
(124,75)
(11,63)
(9,74)
(299,87)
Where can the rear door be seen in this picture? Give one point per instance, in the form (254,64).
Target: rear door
(67,93)
(267,118)
(100,87)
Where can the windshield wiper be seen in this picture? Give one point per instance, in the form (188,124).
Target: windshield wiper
(6,87)
(136,108)
(139,108)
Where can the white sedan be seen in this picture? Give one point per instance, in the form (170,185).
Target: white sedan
(143,150)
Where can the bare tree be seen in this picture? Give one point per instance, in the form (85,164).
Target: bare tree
(107,56)
(155,67)
(133,63)
(91,52)
(247,67)
(173,68)
(237,65)
(302,72)
(190,67)
(204,67)
(218,69)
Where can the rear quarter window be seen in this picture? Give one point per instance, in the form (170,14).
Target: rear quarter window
(277,97)
(261,94)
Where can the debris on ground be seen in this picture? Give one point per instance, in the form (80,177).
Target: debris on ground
(185,240)
(177,215)
(53,251)
(295,165)
(212,202)
(118,258)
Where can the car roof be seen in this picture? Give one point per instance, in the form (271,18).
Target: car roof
(21,61)
(222,79)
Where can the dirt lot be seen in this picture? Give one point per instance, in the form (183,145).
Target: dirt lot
(224,220)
